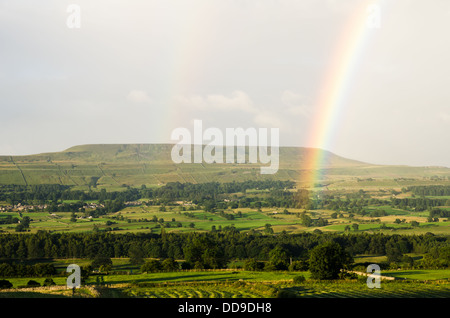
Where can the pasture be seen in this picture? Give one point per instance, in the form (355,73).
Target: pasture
(151,219)
(243,284)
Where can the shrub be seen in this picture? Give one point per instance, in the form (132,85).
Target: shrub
(299,279)
(298,266)
(48,282)
(253,265)
(285,293)
(33,283)
(4,284)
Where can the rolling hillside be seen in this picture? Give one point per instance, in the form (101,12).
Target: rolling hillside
(116,165)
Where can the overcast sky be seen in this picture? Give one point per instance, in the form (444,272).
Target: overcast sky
(135,70)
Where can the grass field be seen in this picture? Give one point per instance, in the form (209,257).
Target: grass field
(139,219)
(242,284)
(423,275)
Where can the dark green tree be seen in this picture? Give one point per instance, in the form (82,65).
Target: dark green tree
(279,258)
(151,266)
(48,282)
(33,283)
(170,265)
(101,260)
(252,265)
(136,254)
(327,260)
(4,284)
(268,229)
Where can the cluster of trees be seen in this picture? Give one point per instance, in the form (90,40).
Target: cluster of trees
(211,190)
(9,219)
(5,284)
(433,190)
(24,224)
(209,250)
(209,195)
(47,193)
(308,221)
(325,260)
(439,213)
(38,193)
(24,270)
(417,204)
(169,265)
(356,203)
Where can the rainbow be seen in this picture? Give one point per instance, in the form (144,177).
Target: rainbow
(332,96)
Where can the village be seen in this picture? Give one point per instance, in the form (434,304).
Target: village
(19,207)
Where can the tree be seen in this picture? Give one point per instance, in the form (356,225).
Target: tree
(26,221)
(327,260)
(306,220)
(23,225)
(279,258)
(252,265)
(268,229)
(204,251)
(48,282)
(428,261)
(394,255)
(105,268)
(4,284)
(298,279)
(170,265)
(136,254)
(355,226)
(33,283)
(298,266)
(151,266)
(101,260)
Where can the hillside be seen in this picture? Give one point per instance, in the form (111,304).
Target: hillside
(115,165)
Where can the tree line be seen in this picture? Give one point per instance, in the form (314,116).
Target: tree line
(166,193)
(25,270)
(433,190)
(212,249)
(417,204)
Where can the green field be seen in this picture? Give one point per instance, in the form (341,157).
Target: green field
(318,290)
(139,219)
(242,284)
(423,275)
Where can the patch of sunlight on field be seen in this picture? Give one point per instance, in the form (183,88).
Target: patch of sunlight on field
(430,274)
